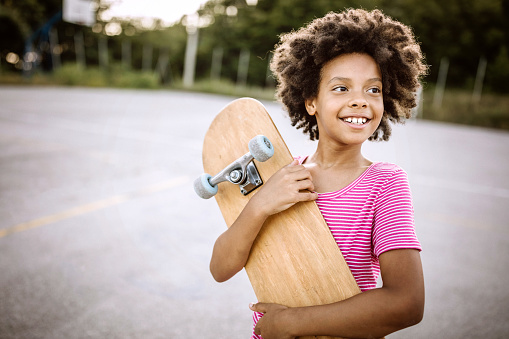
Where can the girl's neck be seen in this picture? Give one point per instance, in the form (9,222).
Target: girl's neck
(349,156)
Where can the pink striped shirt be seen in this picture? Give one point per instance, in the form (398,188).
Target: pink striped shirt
(370,216)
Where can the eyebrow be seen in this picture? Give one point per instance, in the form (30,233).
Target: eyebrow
(348,79)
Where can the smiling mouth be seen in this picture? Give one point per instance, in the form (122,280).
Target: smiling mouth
(355,121)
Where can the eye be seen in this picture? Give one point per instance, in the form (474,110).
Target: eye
(340,89)
(374,90)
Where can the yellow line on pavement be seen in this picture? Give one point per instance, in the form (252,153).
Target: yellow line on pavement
(94,206)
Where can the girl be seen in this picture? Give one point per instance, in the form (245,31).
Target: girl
(342,79)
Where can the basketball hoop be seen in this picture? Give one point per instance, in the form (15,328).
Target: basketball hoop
(80,12)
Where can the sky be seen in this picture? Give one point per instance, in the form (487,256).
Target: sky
(169,11)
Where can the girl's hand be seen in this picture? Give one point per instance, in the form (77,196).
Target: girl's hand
(285,188)
(271,325)
(288,186)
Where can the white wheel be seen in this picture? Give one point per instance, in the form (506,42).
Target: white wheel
(261,148)
(203,188)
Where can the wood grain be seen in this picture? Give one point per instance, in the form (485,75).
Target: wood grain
(295,260)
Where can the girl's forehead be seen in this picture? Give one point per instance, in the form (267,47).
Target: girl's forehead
(351,65)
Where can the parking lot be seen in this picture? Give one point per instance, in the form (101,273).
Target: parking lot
(102,235)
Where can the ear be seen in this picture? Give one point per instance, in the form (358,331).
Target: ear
(310,106)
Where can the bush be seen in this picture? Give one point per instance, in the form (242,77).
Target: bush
(114,76)
(498,73)
(458,107)
(229,88)
(74,75)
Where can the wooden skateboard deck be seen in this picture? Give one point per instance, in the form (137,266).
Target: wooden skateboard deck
(295,260)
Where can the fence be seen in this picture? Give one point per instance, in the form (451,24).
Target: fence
(58,48)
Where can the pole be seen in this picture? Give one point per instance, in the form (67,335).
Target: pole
(190,58)
(269,77)
(440,88)
(126,53)
(54,49)
(103,51)
(79,48)
(417,111)
(162,67)
(243,68)
(479,79)
(217,60)
(147,58)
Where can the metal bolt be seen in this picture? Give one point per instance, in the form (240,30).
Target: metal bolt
(235,176)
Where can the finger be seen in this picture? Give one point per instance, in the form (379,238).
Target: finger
(294,168)
(303,175)
(305,195)
(294,163)
(298,173)
(305,184)
(308,196)
(258,307)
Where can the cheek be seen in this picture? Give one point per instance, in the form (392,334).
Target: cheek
(378,109)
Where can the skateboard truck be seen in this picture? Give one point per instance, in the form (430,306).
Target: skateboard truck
(242,171)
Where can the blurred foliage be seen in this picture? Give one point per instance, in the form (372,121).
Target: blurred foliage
(457,107)
(461,30)
(19,18)
(29,14)
(228,88)
(72,74)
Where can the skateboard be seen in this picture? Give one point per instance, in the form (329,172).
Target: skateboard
(295,260)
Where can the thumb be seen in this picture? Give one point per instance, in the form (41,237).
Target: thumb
(295,162)
(258,307)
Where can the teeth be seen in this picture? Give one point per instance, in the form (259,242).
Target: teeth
(357,121)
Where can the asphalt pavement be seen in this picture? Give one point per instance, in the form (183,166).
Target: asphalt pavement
(102,235)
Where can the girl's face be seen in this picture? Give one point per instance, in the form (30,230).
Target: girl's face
(349,105)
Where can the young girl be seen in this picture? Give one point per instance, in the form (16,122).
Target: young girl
(343,78)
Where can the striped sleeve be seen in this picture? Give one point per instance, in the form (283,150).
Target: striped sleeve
(393,224)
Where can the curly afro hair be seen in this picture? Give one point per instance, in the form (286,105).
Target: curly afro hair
(300,56)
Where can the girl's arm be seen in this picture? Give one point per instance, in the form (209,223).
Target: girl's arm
(285,188)
(372,314)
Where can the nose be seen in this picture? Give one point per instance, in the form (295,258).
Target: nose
(358,101)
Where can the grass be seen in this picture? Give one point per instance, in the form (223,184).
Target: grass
(457,107)
(74,75)
(226,87)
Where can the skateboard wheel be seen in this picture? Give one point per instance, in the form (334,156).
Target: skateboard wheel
(203,188)
(261,148)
